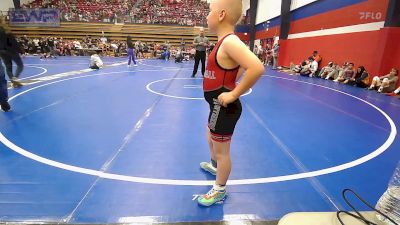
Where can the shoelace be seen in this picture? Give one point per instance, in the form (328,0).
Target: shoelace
(211,192)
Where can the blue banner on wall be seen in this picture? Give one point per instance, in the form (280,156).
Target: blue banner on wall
(35,17)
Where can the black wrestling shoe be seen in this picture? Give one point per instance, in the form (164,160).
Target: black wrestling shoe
(5,106)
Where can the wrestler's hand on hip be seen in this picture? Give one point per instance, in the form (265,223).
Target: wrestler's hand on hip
(226,98)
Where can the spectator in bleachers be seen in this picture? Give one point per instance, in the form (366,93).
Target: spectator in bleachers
(151,11)
(386,83)
(183,44)
(103,39)
(77,44)
(140,49)
(36,42)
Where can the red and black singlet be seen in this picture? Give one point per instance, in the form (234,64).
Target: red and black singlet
(217,77)
(221,120)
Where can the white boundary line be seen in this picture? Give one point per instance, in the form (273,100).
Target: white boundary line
(184,65)
(112,176)
(44,71)
(179,97)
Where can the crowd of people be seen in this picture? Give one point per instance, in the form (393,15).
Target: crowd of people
(48,47)
(179,12)
(268,54)
(346,73)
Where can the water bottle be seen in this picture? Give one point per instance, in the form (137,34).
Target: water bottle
(389,203)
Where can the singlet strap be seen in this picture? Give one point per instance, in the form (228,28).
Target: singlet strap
(216,53)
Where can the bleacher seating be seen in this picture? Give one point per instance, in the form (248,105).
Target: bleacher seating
(142,32)
(179,12)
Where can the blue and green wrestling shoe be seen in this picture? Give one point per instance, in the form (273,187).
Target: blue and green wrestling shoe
(212,197)
(208,167)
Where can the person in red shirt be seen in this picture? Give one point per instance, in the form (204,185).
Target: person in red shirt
(226,64)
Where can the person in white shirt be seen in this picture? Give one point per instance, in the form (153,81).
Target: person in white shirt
(310,68)
(77,44)
(178,56)
(255,50)
(313,67)
(103,40)
(95,62)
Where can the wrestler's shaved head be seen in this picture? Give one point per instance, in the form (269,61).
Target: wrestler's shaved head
(233,9)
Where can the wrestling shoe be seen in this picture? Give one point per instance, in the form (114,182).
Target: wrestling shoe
(212,197)
(208,167)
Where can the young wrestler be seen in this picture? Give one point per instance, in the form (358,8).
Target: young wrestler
(226,63)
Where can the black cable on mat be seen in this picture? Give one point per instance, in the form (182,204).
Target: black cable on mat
(358,214)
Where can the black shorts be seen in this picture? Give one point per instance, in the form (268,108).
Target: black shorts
(222,120)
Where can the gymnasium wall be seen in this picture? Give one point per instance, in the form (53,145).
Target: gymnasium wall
(351,32)
(341,30)
(269,9)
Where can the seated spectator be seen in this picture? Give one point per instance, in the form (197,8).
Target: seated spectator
(95,62)
(114,48)
(103,40)
(178,56)
(334,73)
(326,70)
(294,69)
(311,70)
(314,67)
(386,83)
(146,51)
(165,55)
(395,93)
(77,44)
(347,73)
(304,68)
(337,71)
(360,78)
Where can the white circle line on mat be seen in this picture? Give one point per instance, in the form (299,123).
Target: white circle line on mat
(148,87)
(111,176)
